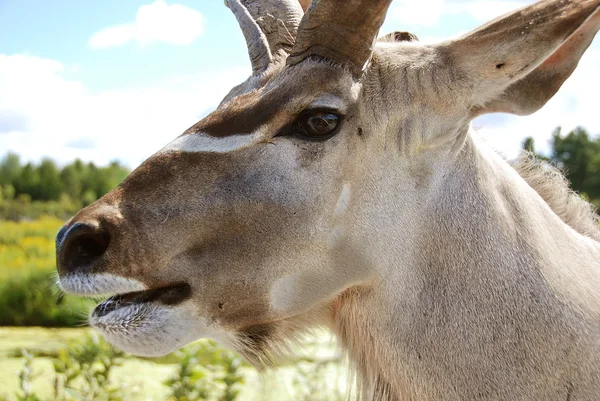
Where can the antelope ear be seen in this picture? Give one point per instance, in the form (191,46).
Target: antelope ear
(398,36)
(516,63)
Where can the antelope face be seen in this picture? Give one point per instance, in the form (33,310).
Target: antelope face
(231,229)
(255,222)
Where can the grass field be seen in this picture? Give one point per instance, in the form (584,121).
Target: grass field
(28,293)
(144,378)
(27,246)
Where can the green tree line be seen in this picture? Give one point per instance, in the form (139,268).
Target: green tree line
(31,189)
(577,154)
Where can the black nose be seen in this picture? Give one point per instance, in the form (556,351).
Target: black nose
(79,246)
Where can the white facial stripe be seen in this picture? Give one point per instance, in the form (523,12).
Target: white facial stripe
(99,284)
(343,200)
(201,142)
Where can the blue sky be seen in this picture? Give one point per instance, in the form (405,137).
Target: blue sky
(113,79)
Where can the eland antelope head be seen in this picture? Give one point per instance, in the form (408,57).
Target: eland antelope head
(341,185)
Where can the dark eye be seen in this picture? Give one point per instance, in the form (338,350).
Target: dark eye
(318,124)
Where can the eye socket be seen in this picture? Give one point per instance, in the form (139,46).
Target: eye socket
(318,124)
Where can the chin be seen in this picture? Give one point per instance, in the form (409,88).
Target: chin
(146,328)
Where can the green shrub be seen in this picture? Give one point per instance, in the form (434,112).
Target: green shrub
(208,372)
(312,380)
(26,376)
(83,371)
(33,301)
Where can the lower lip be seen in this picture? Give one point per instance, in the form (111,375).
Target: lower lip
(171,295)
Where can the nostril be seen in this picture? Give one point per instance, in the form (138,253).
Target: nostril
(80,246)
(89,246)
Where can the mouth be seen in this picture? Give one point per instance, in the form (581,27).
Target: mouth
(167,296)
(149,322)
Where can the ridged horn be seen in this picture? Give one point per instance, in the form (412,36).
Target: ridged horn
(343,31)
(269,27)
(278,20)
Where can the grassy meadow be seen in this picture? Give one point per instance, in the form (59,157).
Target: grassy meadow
(28,295)
(65,361)
(311,378)
(27,247)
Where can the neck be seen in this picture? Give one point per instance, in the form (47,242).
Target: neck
(490,293)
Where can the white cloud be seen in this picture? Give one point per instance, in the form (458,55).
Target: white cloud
(429,13)
(157,22)
(410,12)
(113,36)
(66,120)
(483,10)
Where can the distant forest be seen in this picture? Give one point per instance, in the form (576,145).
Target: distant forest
(33,189)
(29,190)
(577,154)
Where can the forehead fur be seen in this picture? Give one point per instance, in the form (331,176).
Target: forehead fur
(287,94)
